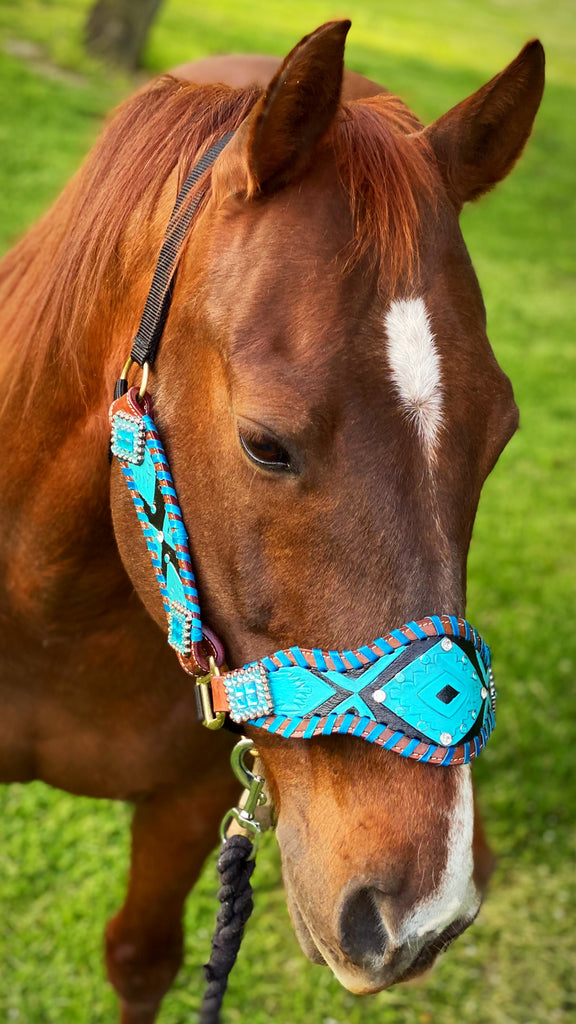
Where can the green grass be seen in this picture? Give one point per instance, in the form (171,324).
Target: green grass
(63,860)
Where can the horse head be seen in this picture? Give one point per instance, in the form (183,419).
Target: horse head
(331,407)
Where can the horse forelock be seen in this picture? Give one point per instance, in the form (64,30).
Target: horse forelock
(387,170)
(73,269)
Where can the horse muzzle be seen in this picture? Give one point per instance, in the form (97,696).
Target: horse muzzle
(367,957)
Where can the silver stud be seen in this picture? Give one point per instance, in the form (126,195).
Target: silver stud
(446,644)
(483,693)
(160,536)
(379,696)
(445,739)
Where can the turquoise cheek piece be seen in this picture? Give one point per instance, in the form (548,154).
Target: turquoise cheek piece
(135,442)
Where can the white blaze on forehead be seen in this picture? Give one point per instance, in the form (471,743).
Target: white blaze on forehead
(455,895)
(415,366)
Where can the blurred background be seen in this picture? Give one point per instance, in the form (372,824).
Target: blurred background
(63,860)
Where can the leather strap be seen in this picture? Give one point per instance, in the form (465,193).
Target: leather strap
(149,333)
(425,691)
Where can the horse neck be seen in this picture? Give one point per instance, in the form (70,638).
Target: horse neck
(57,547)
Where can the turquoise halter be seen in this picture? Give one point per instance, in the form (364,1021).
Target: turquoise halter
(424,691)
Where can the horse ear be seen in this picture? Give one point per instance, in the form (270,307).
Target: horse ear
(478,142)
(274,144)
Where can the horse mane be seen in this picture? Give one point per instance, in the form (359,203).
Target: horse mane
(68,268)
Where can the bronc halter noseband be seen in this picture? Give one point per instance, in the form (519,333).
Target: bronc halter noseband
(424,691)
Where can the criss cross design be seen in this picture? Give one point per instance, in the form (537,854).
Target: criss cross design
(424,691)
(137,445)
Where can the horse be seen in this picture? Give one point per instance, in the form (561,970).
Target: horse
(331,406)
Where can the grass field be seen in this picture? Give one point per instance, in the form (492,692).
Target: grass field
(63,860)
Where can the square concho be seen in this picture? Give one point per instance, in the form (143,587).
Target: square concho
(179,628)
(128,438)
(248,693)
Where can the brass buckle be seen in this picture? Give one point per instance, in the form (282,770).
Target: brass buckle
(143,382)
(211,719)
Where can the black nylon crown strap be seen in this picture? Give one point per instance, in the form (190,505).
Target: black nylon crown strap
(147,339)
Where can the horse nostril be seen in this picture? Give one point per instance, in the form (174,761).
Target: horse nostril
(362,932)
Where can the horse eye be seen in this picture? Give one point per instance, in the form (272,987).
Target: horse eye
(264,451)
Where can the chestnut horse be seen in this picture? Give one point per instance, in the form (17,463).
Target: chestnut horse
(331,407)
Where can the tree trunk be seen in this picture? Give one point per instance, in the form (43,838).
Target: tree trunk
(116,30)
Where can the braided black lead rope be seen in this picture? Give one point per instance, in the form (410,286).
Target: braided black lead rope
(235,867)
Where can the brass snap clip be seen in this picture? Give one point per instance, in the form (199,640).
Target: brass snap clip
(253,796)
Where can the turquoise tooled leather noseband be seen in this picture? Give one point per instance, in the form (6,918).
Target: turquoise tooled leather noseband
(424,691)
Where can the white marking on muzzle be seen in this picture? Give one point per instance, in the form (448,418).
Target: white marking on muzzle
(415,365)
(455,896)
